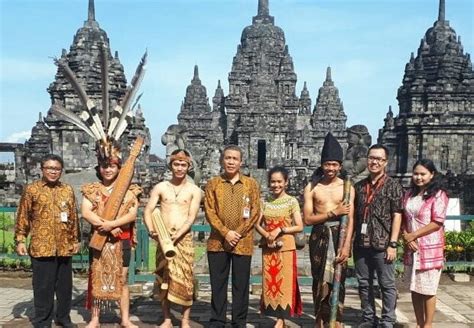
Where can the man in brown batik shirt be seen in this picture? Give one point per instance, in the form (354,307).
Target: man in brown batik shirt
(47,212)
(232,205)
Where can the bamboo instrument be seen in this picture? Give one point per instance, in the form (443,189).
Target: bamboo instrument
(115,200)
(338,270)
(163,236)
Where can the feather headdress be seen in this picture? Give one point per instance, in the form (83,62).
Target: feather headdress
(108,129)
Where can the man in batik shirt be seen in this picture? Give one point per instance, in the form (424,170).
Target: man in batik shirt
(47,212)
(232,205)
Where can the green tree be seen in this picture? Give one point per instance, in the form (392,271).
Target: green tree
(6,224)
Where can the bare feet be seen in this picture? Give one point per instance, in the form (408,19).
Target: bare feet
(279,324)
(166,324)
(185,323)
(94,323)
(128,324)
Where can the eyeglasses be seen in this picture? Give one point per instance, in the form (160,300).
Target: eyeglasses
(52,169)
(376,159)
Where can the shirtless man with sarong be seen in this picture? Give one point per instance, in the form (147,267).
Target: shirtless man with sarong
(323,207)
(179,204)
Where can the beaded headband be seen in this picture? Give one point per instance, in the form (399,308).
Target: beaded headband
(180,156)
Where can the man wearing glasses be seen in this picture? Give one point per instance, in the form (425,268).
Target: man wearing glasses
(47,212)
(378,207)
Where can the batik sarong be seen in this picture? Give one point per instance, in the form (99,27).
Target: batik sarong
(106,274)
(174,278)
(281,295)
(322,269)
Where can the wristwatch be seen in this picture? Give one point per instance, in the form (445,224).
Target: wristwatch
(393,244)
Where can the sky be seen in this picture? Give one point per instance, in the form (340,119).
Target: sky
(366,42)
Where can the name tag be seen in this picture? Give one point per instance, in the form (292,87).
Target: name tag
(63,216)
(363,229)
(246,214)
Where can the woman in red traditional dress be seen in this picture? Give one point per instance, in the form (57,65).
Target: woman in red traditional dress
(279,221)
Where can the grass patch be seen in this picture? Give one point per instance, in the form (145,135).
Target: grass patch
(152,255)
(199,252)
(7,244)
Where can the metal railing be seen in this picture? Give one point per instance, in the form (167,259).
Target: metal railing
(139,270)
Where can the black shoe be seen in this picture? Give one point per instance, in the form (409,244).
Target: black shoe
(366,324)
(67,325)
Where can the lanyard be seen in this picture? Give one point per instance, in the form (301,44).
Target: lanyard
(370,192)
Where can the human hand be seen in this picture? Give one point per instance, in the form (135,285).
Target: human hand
(272,235)
(76,248)
(409,236)
(271,245)
(343,255)
(232,238)
(106,226)
(342,209)
(153,235)
(21,249)
(413,246)
(116,232)
(391,254)
(175,235)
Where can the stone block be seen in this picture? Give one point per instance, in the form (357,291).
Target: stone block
(135,289)
(460,277)
(256,289)
(256,270)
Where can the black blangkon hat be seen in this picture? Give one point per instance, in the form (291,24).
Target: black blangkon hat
(332,150)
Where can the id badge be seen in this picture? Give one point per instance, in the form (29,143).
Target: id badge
(63,217)
(246,214)
(363,229)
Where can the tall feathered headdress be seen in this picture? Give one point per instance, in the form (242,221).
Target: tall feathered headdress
(89,120)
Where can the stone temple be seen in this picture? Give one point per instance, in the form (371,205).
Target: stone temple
(261,113)
(53,135)
(436,110)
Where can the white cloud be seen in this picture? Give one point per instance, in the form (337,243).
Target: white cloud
(19,136)
(26,70)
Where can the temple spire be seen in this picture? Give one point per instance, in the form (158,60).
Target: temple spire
(91,11)
(196,73)
(328,74)
(442,11)
(263,9)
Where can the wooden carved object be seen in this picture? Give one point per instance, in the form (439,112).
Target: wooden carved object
(116,198)
(163,236)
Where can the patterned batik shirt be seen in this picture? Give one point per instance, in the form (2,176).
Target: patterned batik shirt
(378,214)
(48,214)
(224,204)
(417,214)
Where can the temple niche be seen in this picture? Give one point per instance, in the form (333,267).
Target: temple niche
(436,111)
(261,112)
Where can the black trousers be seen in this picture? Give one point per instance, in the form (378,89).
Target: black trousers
(51,275)
(219,267)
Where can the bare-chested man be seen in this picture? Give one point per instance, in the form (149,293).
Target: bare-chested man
(323,207)
(179,203)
